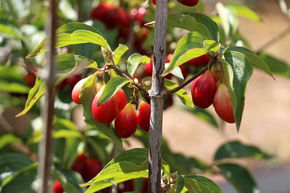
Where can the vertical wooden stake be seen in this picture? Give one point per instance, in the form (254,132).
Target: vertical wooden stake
(157,97)
(45,147)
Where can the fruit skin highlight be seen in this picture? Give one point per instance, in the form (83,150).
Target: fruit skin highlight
(203,90)
(144,116)
(104,113)
(223,105)
(190,3)
(126,121)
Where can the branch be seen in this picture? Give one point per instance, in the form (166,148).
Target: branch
(120,73)
(187,82)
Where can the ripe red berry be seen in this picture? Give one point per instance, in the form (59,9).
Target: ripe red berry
(76,91)
(106,112)
(121,99)
(202,60)
(154,2)
(148,68)
(100,11)
(203,90)
(79,164)
(57,187)
(184,70)
(144,116)
(126,186)
(190,3)
(223,105)
(92,168)
(30,79)
(126,121)
(145,186)
(73,80)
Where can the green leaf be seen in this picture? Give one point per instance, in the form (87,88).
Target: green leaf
(69,180)
(180,187)
(176,72)
(129,165)
(253,58)
(239,177)
(242,71)
(188,47)
(182,94)
(112,87)
(195,22)
(235,149)
(11,74)
(200,184)
(34,95)
(134,61)
(276,65)
(243,11)
(10,31)
(21,181)
(202,114)
(73,26)
(211,45)
(7,139)
(77,37)
(119,52)
(13,87)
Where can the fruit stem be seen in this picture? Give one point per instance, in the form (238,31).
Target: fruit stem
(45,147)
(157,96)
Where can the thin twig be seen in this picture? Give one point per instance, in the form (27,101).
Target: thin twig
(187,82)
(45,148)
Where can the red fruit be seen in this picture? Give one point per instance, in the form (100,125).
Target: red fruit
(138,14)
(203,90)
(190,3)
(126,121)
(73,80)
(145,186)
(123,18)
(184,70)
(223,105)
(202,60)
(100,11)
(154,2)
(168,102)
(76,91)
(92,168)
(104,113)
(30,79)
(57,187)
(121,99)
(79,164)
(126,186)
(148,68)
(144,116)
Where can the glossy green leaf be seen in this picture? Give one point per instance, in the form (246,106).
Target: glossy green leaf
(119,52)
(202,114)
(242,71)
(176,72)
(134,61)
(182,94)
(11,74)
(276,65)
(188,47)
(69,180)
(243,11)
(200,184)
(211,45)
(112,87)
(253,58)
(77,37)
(180,187)
(235,149)
(73,26)
(21,181)
(239,177)
(13,87)
(195,22)
(7,139)
(34,95)
(129,165)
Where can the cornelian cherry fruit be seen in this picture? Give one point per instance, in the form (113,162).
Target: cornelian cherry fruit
(79,164)
(190,3)
(121,99)
(126,121)
(144,116)
(76,91)
(57,187)
(223,105)
(202,60)
(203,90)
(106,112)
(92,167)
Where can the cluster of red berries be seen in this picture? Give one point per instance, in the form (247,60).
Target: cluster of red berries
(85,166)
(116,17)
(126,118)
(207,89)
